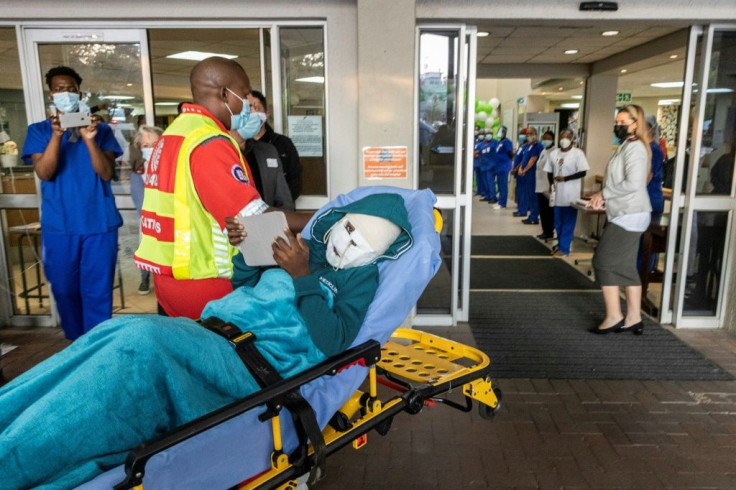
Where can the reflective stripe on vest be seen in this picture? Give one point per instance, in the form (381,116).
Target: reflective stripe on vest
(179,237)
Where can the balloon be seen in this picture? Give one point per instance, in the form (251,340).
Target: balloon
(494,113)
(489,122)
(481,116)
(494,102)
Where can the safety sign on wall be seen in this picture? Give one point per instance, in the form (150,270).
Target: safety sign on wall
(384,162)
(306,134)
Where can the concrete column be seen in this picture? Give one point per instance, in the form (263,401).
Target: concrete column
(600,103)
(386,34)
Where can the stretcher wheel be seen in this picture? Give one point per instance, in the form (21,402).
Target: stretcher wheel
(487,412)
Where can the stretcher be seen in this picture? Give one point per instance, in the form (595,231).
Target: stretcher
(263,441)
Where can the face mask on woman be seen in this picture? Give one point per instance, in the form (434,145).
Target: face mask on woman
(522,138)
(547,143)
(146,153)
(621,131)
(565,143)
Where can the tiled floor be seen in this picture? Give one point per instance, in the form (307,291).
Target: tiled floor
(548,434)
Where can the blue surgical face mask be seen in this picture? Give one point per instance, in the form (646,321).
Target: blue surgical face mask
(546,143)
(66,102)
(522,138)
(247,124)
(489,137)
(146,153)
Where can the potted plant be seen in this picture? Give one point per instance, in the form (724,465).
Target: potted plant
(9,154)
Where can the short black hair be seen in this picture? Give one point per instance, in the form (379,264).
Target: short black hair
(258,95)
(65,71)
(549,132)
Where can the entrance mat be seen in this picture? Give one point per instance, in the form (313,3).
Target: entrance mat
(507,245)
(544,335)
(526,274)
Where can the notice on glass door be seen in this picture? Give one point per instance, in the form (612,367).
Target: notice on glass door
(384,162)
(306,134)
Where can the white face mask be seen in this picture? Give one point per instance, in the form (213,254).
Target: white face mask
(146,153)
(565,143)
(347,248)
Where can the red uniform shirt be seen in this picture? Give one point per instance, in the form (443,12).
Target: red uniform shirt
(224,190)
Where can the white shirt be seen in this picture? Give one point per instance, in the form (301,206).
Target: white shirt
(564,163)
(542,184)
(636,222)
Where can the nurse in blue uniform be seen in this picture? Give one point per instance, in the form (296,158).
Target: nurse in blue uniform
(502,165)
(528,172)
(79,220)
(487,168)
(479,182)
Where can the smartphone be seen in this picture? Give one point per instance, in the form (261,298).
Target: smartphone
(74,120)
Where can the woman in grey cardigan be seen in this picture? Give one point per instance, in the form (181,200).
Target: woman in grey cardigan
(628,209)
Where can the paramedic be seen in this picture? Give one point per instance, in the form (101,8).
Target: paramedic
(184,244)
(79,219)
(502,167)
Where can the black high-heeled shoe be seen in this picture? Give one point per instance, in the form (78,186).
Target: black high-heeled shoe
(615,328)
(637,328)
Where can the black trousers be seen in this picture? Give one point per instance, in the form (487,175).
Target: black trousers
(546,215)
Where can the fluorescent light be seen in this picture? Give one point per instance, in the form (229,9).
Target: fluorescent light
(117,97)
(166,103)
(719,91)
(311,79)
(624,70)
(571,51)
(577,97)
(571,105)
(199,55)
(673,56)
(609,33)
(483,34)
(667,84)
(668,101)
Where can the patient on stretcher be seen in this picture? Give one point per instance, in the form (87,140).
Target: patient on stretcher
(135,377)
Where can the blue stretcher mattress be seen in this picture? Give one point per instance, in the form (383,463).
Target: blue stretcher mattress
(240,448)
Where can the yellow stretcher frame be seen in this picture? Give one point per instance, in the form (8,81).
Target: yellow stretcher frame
(410,356)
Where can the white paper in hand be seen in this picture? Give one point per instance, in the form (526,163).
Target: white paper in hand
(261,232)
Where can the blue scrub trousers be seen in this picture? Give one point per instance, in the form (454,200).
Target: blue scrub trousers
(521,203)
(80,270)
(501,176)
(565,219)
(490,194)
(480,182)
(531,196)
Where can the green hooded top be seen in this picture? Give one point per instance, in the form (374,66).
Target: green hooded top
(333,302)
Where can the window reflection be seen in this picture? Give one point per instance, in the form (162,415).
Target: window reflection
(705,263)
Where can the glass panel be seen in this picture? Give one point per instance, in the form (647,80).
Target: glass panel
(28,288)
(268,89)
(715,171)
(303,80)
(462,212)
(112,86)
(171,76)
(707,246)
(437,297)
(438,60)
(17,177)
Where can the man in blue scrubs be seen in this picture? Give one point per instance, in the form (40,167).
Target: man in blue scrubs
(527,173)
(502,166)
(477,147)
(486,168)
(79,220)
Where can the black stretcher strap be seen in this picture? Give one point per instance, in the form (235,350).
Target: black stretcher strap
(305,420)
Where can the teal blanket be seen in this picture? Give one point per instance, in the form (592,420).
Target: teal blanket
(135,377)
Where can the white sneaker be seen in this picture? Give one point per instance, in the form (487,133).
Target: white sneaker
(498,206)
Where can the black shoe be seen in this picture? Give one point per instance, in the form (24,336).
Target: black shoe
(545,237)
(517,214)
(529,222)
(493,201)
(637,328)
(485,200)
(145,287)
(603,331)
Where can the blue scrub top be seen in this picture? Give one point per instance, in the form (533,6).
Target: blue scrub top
(76,201)
(654,187)
(529,152)
(486,154)
(520,154)
(478,146)
(501,156)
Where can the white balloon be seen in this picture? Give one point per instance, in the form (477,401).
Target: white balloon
(489,122)
(480,116)
(494,113)
(494,102)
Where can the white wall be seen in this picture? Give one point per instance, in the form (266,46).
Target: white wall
(508,92)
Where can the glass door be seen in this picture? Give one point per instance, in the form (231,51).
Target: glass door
(445,82)
(709,204)
(116,85)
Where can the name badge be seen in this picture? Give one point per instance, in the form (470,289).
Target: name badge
(272,163)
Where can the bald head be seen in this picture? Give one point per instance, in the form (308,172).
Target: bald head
(212,79)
